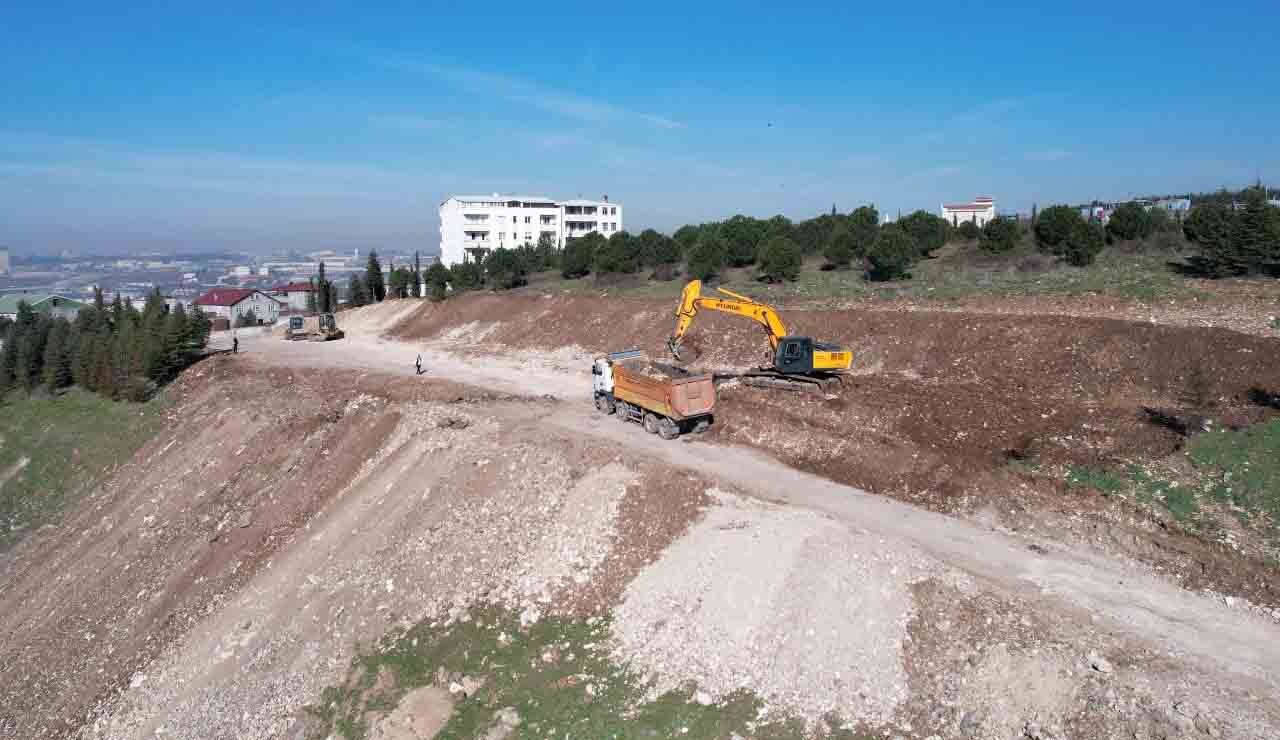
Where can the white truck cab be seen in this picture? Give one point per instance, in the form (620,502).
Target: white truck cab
(602,370)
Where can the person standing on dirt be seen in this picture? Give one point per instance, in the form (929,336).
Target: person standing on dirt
(418,364)
(235,345)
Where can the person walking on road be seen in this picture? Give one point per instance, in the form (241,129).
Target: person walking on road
(418,364)
(235,345)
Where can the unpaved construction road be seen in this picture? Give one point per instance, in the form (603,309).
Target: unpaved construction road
(307,498)
(1202,630)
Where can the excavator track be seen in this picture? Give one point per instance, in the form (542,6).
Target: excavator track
(824,385)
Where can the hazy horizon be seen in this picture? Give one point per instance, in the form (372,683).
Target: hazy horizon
(317,129)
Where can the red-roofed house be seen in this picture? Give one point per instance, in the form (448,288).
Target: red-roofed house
(981,210)
(295,296)
(232,303)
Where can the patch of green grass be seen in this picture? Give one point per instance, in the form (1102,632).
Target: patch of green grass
(1085,476)
(1244,466)
(53,448)
(1137,483)
(577,693)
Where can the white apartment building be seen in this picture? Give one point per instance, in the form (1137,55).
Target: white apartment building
(473,225)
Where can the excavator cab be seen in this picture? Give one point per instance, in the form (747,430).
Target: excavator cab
(794,355)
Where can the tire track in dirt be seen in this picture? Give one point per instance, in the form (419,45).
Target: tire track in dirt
(1094,588)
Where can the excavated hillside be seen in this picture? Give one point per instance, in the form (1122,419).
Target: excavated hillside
(310,510)
(945,409)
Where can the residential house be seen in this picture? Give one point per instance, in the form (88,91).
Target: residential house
(980,210)
(233,303)
(296,297)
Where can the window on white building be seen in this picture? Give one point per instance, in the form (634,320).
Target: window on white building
(528,219)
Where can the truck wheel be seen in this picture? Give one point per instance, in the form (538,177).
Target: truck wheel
(623,410)
(604,404)
(668,429)
(650,423)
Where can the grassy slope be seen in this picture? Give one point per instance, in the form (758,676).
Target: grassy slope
(68,442)
(959,270)
(1236,469)
(556,674)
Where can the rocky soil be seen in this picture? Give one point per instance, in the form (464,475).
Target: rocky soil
(304,501)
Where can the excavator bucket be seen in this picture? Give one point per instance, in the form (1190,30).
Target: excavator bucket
(674,347)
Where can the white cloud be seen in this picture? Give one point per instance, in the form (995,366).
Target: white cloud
(527,93)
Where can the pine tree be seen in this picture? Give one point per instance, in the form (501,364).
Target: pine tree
(177,333)
(28,335)
(57,355)
(198,328)
(373,278)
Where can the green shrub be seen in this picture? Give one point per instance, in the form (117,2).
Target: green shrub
(505,269)
(930,232)
(893,254)
(780,259)
(1054,225)
(708,257)
(864,226)
(466,276)
(618,253)
(743,237)
(968,230)
(437,278)
(1083,243)
(999,235)
(1130,221)
(841,248)
(579,255)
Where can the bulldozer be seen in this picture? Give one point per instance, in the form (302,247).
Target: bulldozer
(797,362)
(318,328)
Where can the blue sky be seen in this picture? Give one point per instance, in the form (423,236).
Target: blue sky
(328,125)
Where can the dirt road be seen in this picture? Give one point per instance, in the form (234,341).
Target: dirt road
(1205,632)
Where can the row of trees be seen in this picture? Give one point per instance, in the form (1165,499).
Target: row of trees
(115,350)
(1235,242)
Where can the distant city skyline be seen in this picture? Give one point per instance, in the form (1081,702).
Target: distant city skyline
(265,131)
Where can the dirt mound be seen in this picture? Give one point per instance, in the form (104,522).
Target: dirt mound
(940,403)
(788,603)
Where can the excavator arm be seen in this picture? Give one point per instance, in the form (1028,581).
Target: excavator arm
(691,301)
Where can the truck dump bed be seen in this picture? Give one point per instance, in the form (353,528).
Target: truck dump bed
(675,398)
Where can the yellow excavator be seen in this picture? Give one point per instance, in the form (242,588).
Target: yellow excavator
(799,363)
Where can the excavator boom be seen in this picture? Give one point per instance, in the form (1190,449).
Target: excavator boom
(691,300)
(793,355)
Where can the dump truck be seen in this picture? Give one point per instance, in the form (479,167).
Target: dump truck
(668,407)
(318,328)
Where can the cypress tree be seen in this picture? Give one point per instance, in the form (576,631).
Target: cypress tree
(417,275)
(373,278)
(322,288)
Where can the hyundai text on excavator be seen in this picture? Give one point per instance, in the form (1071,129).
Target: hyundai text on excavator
(799,363)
